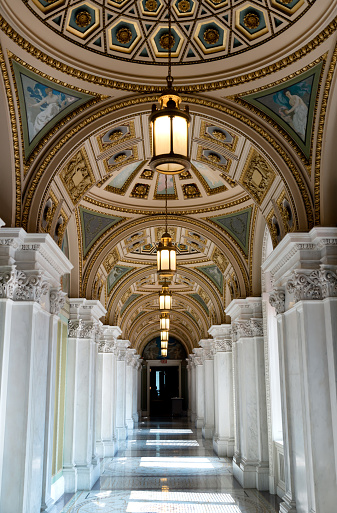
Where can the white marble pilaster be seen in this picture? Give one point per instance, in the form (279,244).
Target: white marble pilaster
(208,372)
(121,427)
(30,267)
(304,275)
(106,444)
(130,388)
(251,468)
(81,468)
(135,394)
(199,388)
(223,440)
(191,358)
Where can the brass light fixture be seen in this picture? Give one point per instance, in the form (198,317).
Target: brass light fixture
(164,336)
(164,352)
(164,322)
(166,251)
(165,299)
(170,125)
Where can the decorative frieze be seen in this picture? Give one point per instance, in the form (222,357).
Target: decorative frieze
(223,345)
(277,300)
(30,286)
(7,282)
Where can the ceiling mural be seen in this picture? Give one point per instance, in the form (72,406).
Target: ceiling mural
(237,224)
(43,104)
(93,225)
(138,30)
(291,105)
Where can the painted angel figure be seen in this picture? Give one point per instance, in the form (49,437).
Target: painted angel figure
(51,105)
(297,115)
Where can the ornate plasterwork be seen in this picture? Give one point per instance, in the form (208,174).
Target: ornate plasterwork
(223,345)
(257,176)
(22,285)
(250,328)
(277,300)
(217,35)
(84,329)
(239,79)
(313,284)
(57,300)
(77,176)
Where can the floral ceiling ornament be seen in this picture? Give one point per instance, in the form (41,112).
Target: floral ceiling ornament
(124,35)
(251,20)
(83,19)
(211,36)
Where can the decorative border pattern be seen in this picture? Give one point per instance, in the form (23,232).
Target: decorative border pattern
(221,84)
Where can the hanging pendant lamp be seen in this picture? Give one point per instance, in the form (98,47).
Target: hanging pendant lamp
(169,125)
(166,250)
(164,336)
(164,322)
(165,299)
(164,352)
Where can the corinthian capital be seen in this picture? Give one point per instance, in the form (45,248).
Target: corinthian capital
(305,284)
(57,299)
(277,300)
(328,278)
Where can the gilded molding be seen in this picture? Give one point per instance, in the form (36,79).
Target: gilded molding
(240,79)
(199,101)
(239,100)
(16,145)
(251,249)
(255,163)
(320,131)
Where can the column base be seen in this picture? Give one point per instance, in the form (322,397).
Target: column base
(47,505)
(135,418)
(251,475)
(70,479)
(207,432)
(130,424)
(106,448)
(193,417)
(199,423)
(223,446)
(87,476)
(288,505)
(122,433)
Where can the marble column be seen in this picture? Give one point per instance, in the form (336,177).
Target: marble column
(223,440)
(135,395)
(106,444)
(31,266)
(199,388)
(139,390)
(250,462)
(208,371)
(130,388)
(121,427)
(189,387)
(304,276)
(80,466)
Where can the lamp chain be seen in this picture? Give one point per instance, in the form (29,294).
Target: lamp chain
(169,76)
(165,203)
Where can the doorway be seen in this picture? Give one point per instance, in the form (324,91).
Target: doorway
(164,384)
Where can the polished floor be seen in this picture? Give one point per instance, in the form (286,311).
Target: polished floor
(166,467)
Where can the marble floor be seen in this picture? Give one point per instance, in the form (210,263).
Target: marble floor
(166,467)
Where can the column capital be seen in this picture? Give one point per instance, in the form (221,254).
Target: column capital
(197,357)
(245,309)
(277,299)
(57,300)
(248,329)
(207,345)
(222,336)
(122,346)
(86,309)
(302,251)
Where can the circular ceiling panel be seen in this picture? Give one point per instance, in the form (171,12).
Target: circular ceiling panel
(138,30)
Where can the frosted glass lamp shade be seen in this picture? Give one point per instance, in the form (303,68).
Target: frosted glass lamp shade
(170,136)
(164,322)
(166,256)
(164,336)
(165,300)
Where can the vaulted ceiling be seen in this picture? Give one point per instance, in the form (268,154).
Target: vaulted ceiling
(79,79)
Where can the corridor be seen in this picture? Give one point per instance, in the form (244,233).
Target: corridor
(166,467)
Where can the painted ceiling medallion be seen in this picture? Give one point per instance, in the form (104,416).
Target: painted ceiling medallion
(211,36)
(151,5)
(251,20)
(124,35)
(214,158)
(167,42)
(83,19)
(184,5)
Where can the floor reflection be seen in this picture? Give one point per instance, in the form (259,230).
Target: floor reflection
(165,469)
